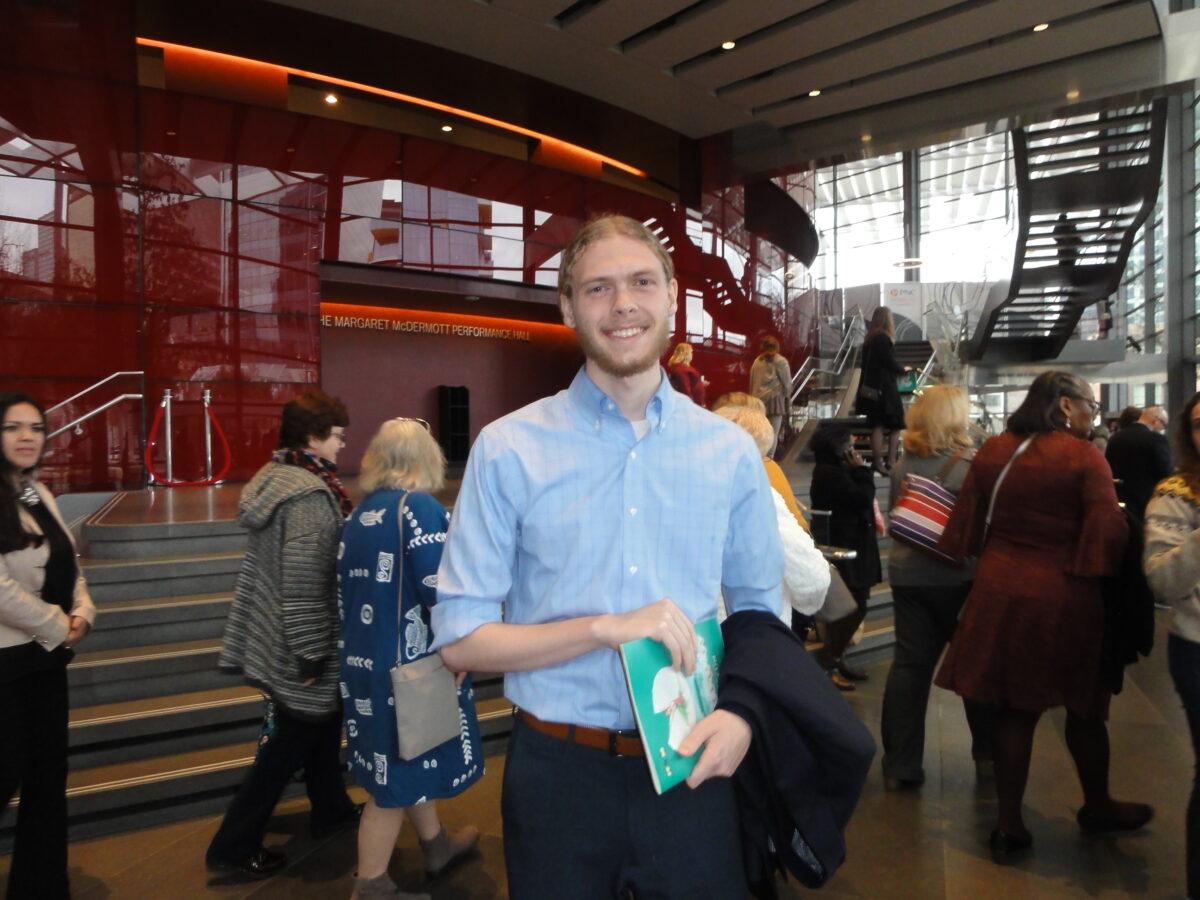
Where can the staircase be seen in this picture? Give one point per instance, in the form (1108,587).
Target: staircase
(1084,188)
(157,732)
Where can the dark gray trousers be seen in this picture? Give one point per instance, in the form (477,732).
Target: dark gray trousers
(925,621)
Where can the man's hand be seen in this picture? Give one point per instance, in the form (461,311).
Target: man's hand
(725,737)
(77,631)
(663,621)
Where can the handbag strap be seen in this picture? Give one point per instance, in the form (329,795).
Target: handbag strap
(987,524)
(399,569)
(950,464)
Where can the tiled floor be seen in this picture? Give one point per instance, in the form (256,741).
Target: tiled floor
(920,844)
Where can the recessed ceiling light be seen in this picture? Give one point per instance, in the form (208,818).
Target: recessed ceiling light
(289,149)
(728,45)
(815,92)
(1073,94)
(866,139)
(447,128)
(1041,26)
(170,132)
(331,99)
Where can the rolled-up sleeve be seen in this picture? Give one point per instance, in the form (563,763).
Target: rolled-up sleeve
(476,572)
(752,566)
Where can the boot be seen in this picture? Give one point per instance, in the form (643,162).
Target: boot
(382,886)
(446,849)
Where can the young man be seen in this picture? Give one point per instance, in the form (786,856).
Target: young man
(612,511)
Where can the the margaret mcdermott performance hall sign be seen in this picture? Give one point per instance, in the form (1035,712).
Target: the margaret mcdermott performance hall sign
(417,326)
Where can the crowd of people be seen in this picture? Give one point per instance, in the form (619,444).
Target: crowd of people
(568,541)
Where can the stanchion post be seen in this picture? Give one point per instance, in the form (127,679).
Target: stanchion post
(167,423)
(208,468)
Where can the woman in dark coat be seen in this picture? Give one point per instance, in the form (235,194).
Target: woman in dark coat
(878,396)
(1030,643)
(843,484)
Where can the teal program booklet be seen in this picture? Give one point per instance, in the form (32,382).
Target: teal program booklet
(667,703)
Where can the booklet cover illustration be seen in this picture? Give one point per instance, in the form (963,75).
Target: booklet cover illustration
(667,703)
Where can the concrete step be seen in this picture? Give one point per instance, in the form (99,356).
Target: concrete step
(136,673)
(160,620)
(163,539)
(161,576)
(163,726)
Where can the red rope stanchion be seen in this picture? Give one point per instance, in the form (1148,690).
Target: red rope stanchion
(152,442)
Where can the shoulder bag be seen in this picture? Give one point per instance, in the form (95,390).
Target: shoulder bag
(865,392)
(425,697)
(918,517)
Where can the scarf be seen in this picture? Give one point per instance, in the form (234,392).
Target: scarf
(322,468)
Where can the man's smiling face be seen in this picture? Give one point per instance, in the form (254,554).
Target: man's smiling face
(622,306)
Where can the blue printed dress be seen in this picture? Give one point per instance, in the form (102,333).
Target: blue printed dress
(371,572)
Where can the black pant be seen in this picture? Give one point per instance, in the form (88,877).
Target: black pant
(925,621)
(579,823)
(1183,658)
(33,758)
(294,743)
(839,634)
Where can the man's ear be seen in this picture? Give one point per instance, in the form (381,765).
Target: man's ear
(673,293)
(568,311)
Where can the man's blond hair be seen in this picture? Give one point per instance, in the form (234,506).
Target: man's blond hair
(606,226)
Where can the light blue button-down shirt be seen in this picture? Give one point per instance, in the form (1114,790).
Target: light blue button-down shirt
(563,513)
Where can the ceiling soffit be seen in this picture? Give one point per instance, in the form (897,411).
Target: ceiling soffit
(662,60)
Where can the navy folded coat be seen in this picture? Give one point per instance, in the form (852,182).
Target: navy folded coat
(801,780)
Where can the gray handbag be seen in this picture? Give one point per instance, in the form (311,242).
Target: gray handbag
(839,602)
(424,694)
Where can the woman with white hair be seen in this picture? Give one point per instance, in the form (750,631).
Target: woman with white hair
(806,574)
(387,583)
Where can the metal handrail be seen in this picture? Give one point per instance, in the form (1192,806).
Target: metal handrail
(926,370)
(843,354)
(88,390)
(95,412)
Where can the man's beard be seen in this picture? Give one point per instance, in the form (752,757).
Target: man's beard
(597,353)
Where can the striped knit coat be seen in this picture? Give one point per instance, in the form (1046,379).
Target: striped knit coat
(283,627)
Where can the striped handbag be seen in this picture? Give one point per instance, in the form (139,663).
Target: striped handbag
(921,511)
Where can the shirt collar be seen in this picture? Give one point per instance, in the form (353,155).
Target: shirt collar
(594,404)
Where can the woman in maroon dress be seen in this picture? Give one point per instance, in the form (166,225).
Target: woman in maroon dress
(1031,630)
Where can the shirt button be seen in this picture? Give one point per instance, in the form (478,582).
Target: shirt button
(609,407)
(633,570)
(633,510)
(633,454)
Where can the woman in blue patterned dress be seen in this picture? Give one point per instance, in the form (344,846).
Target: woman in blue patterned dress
(384,596)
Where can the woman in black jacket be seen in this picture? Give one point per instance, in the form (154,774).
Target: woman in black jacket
(878,396)
(843,485)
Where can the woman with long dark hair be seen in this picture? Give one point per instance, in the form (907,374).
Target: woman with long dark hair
(878,395)
(1039,501)
(45,611)
(1172,563)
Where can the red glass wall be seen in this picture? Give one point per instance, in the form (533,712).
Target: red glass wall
(178,235)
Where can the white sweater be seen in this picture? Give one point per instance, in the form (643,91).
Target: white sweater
(1172,553)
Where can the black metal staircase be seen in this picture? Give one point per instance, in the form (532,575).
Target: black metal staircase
(1084,188)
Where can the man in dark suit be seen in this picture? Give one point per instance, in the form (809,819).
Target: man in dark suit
(1140,457)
